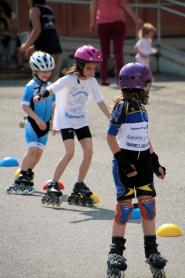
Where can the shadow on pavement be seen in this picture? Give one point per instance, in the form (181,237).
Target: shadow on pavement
(91,213)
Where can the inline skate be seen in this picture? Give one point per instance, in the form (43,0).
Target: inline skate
(154,258)
(23,184)
(81,195)
(53,195)
(157,264)
(116,263)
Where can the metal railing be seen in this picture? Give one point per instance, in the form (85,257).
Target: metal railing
(159,5)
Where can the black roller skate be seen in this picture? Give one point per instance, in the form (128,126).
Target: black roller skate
(154,258)
(81,195)
(53,195)
(116,262)
(23,184)
(157,264)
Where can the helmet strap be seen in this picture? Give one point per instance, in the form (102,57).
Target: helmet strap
(36,75)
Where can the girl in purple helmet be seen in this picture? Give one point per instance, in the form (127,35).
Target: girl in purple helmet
(133,165)
(72,93)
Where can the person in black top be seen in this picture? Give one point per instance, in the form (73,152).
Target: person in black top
(43,36)
(8,34)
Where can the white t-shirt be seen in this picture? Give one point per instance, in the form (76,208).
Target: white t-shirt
(144,45)
(72,95)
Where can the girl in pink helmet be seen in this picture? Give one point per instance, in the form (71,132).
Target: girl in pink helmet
(72,93)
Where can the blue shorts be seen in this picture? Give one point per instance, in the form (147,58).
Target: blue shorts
(32,140)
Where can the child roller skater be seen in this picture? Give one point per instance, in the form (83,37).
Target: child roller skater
(143,47)
(72,93)
(133,165)
(38,120)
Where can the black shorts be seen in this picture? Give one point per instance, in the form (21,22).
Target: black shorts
(81,133)
(140,185)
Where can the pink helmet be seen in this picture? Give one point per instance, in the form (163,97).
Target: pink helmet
(88,53)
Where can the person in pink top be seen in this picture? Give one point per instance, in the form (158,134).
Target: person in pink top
(108,17)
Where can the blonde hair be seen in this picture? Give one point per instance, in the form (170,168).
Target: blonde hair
(147,27)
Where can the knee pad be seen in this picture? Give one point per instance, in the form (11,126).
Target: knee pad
(123,212)
(147,208)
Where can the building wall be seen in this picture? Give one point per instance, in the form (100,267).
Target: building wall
(73,19)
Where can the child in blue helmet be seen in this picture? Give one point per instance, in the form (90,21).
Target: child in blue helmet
(134,163)
(38,120)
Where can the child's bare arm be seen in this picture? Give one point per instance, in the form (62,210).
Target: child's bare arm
(104,109)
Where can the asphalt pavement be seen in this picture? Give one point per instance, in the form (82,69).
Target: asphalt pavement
(72,241)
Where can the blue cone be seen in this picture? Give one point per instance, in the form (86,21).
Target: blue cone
(136,215)
(9,162)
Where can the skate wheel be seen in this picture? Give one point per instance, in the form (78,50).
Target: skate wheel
(158,273)
(89,201)
(22,190)
(77,200)
(59,201)
(9,190)
(16,190)
(115,273)
(31,190)
(54,200)
(51,200)
(83,201)
(70,200)
(44,199)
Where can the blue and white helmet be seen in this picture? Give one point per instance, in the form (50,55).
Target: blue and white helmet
(41,61)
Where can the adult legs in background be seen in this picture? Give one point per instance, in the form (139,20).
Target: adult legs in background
(11,49)
(104,34)
(118,39)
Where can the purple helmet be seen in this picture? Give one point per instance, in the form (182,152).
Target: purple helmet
(134,76)
(88,53)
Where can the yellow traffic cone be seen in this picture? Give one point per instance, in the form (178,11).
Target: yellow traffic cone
(95,198)
(17,172)
(169,230)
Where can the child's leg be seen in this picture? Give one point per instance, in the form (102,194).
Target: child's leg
(87,148)
(81,193)
(31,158)
(148,212)
(124,208)
(123,213)
(24,182)
(64,161)
(116,261)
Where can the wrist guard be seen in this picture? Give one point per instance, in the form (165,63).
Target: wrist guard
(124,166)
(44,94)
(156,164)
